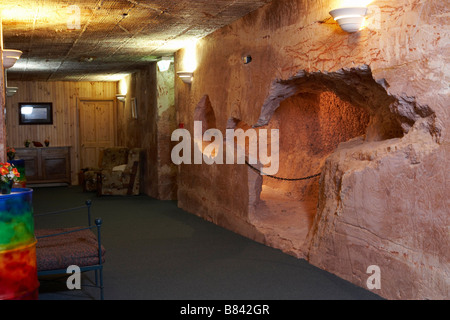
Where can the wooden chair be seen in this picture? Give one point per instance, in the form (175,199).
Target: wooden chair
(57,249)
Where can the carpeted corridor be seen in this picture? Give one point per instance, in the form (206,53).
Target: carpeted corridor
(156,251)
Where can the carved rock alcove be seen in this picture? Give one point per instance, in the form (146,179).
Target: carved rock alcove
(311,125)
(315,112)
(377,155)
(377,201)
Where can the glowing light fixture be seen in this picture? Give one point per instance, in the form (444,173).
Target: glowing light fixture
(349,19)
(190,56)
(121,97)
(186,76)
(10,91)
(164,63)
(189,62)
(10,57)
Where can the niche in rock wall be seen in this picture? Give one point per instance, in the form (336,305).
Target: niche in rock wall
(314,113)
(311,125)
(204,114)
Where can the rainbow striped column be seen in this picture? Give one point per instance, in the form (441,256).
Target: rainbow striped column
(18,272)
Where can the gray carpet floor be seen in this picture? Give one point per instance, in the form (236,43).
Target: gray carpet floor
(156,251)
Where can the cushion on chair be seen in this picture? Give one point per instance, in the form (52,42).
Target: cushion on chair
(58,252)
(113,156)
(117,182)
(120,168)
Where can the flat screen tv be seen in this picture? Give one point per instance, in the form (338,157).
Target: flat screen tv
(35,113)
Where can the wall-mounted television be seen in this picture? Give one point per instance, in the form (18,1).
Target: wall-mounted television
(35,113)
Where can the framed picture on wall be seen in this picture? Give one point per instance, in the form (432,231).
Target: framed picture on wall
(35,113)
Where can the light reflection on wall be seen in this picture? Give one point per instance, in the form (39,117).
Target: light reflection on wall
(123,86)
(352,3)
(190,56)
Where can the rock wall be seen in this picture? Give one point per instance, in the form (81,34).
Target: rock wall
(165,123)
(311,127)
(384,204)
(150,126)
(139,131)
(382,196)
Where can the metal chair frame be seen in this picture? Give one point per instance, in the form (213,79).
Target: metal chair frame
(98,268)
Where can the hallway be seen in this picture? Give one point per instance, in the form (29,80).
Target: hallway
(156,251)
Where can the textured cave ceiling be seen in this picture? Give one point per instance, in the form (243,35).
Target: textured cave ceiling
(95,40)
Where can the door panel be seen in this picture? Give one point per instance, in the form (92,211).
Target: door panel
(96,130)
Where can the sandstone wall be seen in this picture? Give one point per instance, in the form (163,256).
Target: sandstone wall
(311,127)
(139,130)
(383,196)
(166,123)
(150,126)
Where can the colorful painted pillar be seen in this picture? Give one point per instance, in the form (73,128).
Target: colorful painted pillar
(18,272)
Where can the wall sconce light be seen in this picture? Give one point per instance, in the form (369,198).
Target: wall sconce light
(10,57)
(189,62)
(164,63)
(349,19)
(121,97)
(10,91)
(186,76)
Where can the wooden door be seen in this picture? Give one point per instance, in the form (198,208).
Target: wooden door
(97,123)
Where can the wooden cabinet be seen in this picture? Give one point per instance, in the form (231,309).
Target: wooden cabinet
(46,164)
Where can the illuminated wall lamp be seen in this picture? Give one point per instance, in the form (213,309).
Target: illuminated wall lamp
(186,76)
(10,91)
(121,97)
(164,63)
(349,19)
(10,57)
